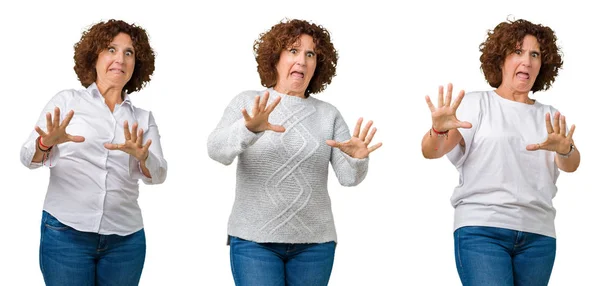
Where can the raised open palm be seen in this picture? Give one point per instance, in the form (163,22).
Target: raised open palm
(133,144)
(358,145)
(259,121)
(558,140)
(444,116)
(56,132)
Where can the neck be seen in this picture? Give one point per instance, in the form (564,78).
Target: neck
(514,95)
(287,92)
(112,94)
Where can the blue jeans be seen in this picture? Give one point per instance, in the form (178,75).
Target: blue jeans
(71,257)
(498,256)
(278,264)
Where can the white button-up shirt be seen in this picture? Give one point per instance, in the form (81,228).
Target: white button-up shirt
(91,188)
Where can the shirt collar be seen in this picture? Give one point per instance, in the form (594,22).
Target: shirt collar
(93,90)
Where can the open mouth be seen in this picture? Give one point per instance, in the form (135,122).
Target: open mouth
(523,75)
(297,74)
(116,70)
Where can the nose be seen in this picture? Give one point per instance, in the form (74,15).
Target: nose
(527,60)
(301,60)
(119,57)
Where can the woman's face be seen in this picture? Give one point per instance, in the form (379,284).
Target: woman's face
(115,64)
(296,67)
(521,68)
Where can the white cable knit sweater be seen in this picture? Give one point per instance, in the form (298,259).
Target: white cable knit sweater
(281,190)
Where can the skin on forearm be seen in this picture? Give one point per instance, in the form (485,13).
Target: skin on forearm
(568,164)
(145,170)
(38,156)
(433,146)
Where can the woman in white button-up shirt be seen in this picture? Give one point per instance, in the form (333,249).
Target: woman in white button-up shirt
(97,146)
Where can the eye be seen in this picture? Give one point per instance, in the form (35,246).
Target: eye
(310,54)
(293,51)
(129,53)
(535,55)
(111,49)
(518,51)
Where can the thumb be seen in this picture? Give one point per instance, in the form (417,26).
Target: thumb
(533,147)
(77,139)
(465,124)
(333,143)
(276,128)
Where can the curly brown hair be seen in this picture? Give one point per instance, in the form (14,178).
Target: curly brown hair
(98,38)
(505,39)
(268,48)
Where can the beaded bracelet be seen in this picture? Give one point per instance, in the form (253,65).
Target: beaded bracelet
(439,134)
(40,145)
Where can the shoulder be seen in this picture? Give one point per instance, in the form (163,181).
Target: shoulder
(141,111)
(70,94)
(67,96)
(474,99)
(244,98)
(248,95)
(324,105)
(477,96)
(546,107)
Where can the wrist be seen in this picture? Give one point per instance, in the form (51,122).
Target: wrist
(568,153)
(439,132)
(144,158)
(42,147)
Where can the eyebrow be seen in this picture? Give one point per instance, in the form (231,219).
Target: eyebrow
(112,44)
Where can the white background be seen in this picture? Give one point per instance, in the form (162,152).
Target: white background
(396,227)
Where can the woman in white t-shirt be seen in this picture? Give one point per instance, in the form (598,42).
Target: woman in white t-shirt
(508,150)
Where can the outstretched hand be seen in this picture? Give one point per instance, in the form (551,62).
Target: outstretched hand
(133,142)
(358,145)
(558,140)
(444,116)
(56,133)
(259,121)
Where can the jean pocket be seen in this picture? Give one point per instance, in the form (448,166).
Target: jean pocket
(53,223)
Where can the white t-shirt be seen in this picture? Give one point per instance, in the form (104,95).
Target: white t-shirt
(502,184)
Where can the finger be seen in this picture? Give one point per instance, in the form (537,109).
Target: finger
(448,95)
(333,143)
(458,100)
(375,147)
(571,131)
(140,137)
(563,125)
(365,131)
(532,147)
(111,146)
(357,127)
(430,104)
(246,115)
(440,96)
(548,124)
(126,130)
(56,119)
(276,128)
(147,146)
(48,121)
(39,131)
(67,119)
(555,122)
(273,104)
(76,138)
(134,132)
(465,124)
(263,101)
(370,136)
(255,106)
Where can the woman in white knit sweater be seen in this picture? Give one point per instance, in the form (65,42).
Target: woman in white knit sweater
(281,228)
